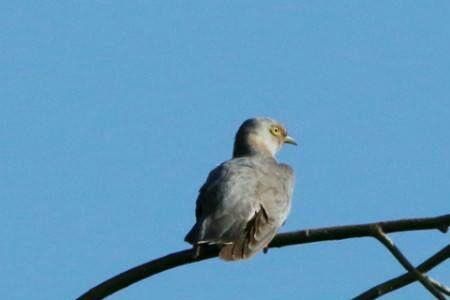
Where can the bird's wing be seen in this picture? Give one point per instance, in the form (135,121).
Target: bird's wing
(273,192)
(242,205)
(226,203)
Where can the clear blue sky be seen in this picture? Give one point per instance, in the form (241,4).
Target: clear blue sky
(113,112)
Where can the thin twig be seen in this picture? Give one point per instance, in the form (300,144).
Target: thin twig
(405,279)
(173,260)
(389,244)
(440,286)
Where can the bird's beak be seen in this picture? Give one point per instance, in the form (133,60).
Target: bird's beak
(289,140)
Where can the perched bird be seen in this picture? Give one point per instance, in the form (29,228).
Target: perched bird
(245,200)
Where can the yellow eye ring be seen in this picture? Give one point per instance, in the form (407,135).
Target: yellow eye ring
(275,131)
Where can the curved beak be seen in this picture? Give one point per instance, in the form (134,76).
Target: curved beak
(289,140)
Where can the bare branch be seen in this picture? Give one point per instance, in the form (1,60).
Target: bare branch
(405,279)
(441,287)
(389,244)
(176,259)
(363,230)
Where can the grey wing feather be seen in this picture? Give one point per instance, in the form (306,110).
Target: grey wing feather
(242,205)
(224,203)
(274,194)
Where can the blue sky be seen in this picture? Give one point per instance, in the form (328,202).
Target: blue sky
(113,112)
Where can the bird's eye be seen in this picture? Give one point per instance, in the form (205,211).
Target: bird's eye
(275,130)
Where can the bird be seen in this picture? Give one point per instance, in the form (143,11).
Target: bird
(246,199)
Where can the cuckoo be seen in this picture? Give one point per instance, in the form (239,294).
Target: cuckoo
(246,199)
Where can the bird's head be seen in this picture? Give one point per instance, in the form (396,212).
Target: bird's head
(260,136)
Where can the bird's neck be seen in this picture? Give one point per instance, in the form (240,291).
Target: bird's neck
(252,148)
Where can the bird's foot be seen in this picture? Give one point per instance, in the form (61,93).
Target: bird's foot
(196,253)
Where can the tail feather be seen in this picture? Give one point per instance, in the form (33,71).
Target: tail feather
(258,234)
(236,251)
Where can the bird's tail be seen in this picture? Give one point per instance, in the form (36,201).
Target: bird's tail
(236,251)
(259,233)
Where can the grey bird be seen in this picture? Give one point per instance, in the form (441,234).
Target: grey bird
(246,199)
